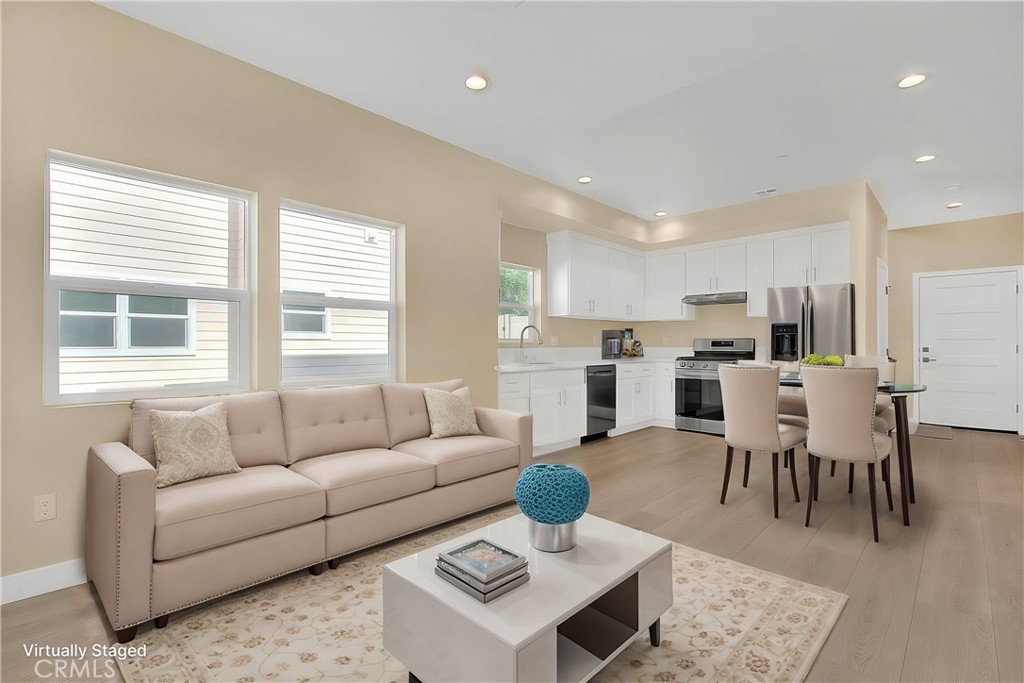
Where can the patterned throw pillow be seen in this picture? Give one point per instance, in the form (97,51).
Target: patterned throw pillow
(191,445)
(451,413)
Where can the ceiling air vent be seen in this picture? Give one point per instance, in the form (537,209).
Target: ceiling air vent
(766,192)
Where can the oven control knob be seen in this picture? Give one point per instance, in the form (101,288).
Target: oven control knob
(705,366)
(690,364)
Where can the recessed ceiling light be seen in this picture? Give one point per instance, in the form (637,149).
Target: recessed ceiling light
(922,159)
(476,82)
(954,205)
(912,80)
(659,214)
(584,179)
(951,188)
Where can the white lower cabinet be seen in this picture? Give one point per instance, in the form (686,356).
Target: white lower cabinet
(665,391)
(514,391)
(634,394)
(558,404)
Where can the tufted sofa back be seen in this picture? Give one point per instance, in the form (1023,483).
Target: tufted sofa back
(407,409)
(334,419)
(254,425)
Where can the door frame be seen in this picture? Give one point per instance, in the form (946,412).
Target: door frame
(882,294)
(916,336)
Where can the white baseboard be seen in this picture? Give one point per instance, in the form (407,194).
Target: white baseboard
(43,580)
(636,426)
(552,447)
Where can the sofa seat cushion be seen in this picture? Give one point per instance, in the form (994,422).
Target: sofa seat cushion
(215,511)
(463,457)
(359,479)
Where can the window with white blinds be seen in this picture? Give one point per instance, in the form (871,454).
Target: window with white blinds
(147,284)
(337,298)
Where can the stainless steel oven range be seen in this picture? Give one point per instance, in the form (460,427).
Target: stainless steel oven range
(698,392)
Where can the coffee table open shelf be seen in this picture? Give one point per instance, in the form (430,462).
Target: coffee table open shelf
(579,610)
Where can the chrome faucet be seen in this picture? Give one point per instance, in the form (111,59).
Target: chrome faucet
(522,338)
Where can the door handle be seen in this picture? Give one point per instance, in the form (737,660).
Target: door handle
(929,360)
(815,273)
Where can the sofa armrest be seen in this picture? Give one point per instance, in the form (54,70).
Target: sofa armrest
(510,425)
(120,511)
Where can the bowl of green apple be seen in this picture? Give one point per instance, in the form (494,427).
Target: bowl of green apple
(817,359)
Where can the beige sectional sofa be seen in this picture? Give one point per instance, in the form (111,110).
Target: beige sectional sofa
(324,473)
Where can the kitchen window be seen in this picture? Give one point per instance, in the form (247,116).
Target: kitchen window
(337,297)
(515,300)
(147,284)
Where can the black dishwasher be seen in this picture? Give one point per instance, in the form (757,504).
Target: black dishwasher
(600,401)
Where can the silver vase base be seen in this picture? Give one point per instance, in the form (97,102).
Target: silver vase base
(552,538)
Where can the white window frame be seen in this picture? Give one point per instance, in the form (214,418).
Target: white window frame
(532,307)
(239,375)
(324,313)
(122,333)
(336,302)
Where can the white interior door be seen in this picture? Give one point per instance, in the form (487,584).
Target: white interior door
(967,353)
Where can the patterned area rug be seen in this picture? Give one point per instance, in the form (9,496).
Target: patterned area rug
(729,622)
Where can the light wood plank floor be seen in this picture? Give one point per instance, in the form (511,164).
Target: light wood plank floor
(938,601)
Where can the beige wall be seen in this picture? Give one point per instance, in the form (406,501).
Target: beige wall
(83,79)
(980,243)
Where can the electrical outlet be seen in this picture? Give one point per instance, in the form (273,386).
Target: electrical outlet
(554,341)
(597,340)
(664,341)
(45,507)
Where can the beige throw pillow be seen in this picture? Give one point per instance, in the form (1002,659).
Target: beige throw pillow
(191,445)
(451,413)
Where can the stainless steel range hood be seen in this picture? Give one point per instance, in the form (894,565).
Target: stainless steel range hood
(718,298)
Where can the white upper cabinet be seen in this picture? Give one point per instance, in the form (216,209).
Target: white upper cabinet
(665,287)
(625,278)
(589,278)
(731,268)
(720,269)
(759,277)
(700,271)
(830,257)
(577,277)
(819,258)
(793,261)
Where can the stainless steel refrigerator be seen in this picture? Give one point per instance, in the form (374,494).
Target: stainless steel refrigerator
(814,319)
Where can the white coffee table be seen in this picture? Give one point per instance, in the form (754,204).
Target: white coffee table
(579,609)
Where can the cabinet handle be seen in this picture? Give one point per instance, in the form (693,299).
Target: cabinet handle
(709,285)
(815,273)
(807,277)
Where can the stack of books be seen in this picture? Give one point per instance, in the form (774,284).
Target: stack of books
(482,569)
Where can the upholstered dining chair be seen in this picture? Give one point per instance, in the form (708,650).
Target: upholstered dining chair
(792,407)
(841,426)
(885,412)
(750,400)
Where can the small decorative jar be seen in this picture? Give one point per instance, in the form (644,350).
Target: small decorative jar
(553,497)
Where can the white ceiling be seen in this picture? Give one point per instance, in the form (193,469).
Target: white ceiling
(672,106)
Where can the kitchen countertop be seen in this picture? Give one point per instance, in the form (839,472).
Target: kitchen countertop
(574,364)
